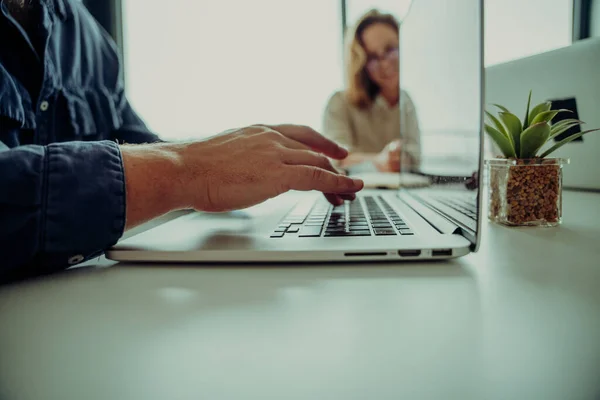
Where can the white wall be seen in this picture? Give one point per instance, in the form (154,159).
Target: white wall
(356,8)
(440,68)
(520,28)
(229,63)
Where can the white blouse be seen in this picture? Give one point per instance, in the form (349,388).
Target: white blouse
(370,130)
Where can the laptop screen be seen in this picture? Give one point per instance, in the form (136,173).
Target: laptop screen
(441,78)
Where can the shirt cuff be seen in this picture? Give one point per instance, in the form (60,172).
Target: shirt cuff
(84,208)
(124,135)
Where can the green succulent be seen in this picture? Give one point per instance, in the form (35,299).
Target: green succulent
(524,139)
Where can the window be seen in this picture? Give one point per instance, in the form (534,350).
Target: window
(595,18)
(517,28)
(196,68)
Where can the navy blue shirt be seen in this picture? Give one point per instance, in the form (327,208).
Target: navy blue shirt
(63,112)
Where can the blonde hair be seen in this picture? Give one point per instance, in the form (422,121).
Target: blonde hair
(360,89)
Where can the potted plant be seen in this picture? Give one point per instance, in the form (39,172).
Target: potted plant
(525,185)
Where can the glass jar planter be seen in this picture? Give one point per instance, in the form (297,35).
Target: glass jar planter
(525,192)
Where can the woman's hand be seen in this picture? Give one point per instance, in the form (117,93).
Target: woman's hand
(388,160)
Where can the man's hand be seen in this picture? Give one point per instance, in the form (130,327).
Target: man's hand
(237,169)
(388,160)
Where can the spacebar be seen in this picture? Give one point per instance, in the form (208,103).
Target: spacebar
(310,231)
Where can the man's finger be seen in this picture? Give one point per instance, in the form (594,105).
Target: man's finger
(348,196)
(310,158)
(338,199)
(334,199)
(294,145)
(313,178)
(312,139)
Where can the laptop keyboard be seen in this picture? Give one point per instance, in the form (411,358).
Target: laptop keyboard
(373,216)
(467,207)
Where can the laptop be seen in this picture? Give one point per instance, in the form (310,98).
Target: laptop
(568,77)
(441,56)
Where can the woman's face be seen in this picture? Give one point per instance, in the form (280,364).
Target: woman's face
(380,42)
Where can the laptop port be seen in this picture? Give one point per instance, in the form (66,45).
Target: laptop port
(441,252)
(409,253)
(378,254)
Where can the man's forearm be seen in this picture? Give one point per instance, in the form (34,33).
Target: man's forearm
(153,179)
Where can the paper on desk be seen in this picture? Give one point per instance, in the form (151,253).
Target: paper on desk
(392,180)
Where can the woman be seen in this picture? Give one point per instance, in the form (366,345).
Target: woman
(372,116)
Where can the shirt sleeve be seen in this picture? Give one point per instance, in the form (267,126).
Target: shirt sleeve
(60,205)
(336,121)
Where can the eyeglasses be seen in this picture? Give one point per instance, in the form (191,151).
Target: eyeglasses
(374,62)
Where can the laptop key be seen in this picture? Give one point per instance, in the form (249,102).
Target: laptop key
(336,228)
(310,231)
(382,225)
(385,232)
(293,229)
(277,234)
(290,220)
(346,234)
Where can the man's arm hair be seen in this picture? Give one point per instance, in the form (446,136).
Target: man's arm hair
(152,180)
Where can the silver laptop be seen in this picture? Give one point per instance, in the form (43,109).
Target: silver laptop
(569,78)
(442,70)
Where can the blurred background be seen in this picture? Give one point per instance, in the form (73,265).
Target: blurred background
(222,64)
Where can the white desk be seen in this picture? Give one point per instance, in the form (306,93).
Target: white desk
(518,320)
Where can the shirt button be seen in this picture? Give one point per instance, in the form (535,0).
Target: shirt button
(44,105)
(76,259)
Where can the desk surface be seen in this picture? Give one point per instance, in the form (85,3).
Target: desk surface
(518,320)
